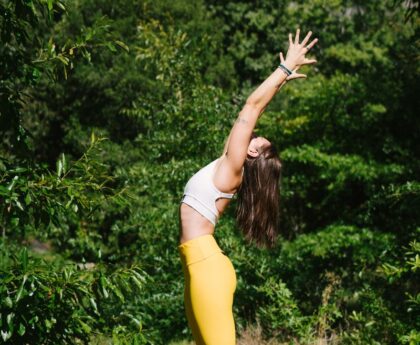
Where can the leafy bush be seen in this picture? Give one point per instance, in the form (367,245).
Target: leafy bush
(163,82)
(53,301)
(279,314)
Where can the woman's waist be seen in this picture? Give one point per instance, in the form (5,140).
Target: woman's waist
(193,224)
(198,249)
(197,210)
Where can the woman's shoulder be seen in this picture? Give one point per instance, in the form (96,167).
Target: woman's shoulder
(223,160)
(225,179)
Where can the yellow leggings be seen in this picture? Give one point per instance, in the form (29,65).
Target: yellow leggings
(210,283)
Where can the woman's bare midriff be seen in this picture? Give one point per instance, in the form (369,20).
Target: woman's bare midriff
(193,224)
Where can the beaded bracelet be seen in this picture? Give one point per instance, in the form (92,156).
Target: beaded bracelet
(285,69)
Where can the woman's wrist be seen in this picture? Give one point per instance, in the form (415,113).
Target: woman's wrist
(285,70)
(289,65)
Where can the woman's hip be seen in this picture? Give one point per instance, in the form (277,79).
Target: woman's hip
(205,264)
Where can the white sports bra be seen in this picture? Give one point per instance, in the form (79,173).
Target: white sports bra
(201,194)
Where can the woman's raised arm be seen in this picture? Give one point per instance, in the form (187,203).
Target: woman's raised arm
(236,146)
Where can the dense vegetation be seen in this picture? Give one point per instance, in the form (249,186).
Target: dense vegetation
(108,107)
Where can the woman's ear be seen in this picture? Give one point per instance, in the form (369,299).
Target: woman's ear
(253,152)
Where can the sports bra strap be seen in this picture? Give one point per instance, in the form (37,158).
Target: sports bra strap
(226,195)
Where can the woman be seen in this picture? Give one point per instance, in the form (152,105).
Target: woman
(250,166)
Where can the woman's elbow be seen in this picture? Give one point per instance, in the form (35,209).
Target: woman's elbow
(252,103)
(251,110)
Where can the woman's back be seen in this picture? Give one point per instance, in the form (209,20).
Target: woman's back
(202,202)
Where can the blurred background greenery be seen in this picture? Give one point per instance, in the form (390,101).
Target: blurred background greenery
(108,107)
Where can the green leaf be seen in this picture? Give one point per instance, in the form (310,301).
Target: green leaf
(24,259)
(64,162)
(137,282)
(28,199)
(48,324)
(85,326)
(122,45)
(8,302)
(117,292)
(25,277)
(59,4)
(11,185)
(19,205)
(104,284)
(59,168)
(18,170)
(6,335)
(111,47)
(22,329)
(14,221)
(94,305)
(63,59)
(9,320)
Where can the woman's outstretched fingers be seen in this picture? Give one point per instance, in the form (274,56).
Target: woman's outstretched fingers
(297,36)
(307,37)
(310,45)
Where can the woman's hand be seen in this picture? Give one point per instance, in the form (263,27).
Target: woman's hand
(295,56)
(294,75)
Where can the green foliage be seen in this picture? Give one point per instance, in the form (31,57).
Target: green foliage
(34,197)
(337,265)
(53,301)
(162,82)
(279,313)
(403,272)
(26,56)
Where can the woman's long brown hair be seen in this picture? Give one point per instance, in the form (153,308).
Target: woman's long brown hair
(257,212)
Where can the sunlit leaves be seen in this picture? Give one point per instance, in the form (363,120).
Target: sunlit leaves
(60,302)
